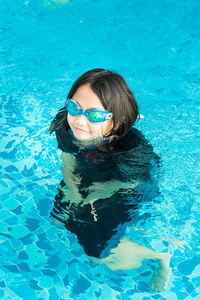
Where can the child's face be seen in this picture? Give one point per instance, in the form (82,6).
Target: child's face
(81,127)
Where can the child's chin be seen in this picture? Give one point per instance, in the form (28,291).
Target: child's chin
(85,137)
(82,136)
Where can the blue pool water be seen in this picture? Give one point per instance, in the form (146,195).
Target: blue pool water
(45,46)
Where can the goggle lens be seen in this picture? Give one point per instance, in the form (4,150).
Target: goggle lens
(96,116)
(72,108)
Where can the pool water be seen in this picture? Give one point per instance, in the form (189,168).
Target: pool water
(45,46)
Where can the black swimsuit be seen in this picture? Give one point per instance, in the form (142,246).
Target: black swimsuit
(127,161)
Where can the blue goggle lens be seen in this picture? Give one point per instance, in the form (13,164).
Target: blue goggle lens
(73,109)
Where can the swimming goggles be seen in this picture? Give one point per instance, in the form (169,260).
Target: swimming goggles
(93,115)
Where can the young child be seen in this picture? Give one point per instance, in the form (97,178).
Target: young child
(107,171)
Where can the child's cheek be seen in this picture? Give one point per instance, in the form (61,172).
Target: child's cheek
(69,120)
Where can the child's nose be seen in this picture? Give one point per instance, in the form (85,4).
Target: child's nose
(81,120)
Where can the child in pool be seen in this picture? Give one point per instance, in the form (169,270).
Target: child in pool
(107,171)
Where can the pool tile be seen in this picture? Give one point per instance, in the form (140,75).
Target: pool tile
(11,204)
(45,281)
(11,168)
(19,231)
(28,239)
(12,221)
(34,284)
(53,294)
(4,228)
(22,255)
(24,291)
(188,285)
(5,214)
(188,265)
(12,268)
(32,224)
(17,211)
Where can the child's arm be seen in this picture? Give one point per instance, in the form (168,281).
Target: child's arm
(71,179)
(104,190)
(98,190)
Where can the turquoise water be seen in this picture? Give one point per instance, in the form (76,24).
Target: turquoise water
(155,45)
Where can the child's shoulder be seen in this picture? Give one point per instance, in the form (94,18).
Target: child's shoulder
(136,146)
(133,139)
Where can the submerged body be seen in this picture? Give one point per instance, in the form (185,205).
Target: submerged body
(104,184)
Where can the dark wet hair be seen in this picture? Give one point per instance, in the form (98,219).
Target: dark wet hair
(114,94)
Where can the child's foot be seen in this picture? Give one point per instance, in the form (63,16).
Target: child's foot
(160,282)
